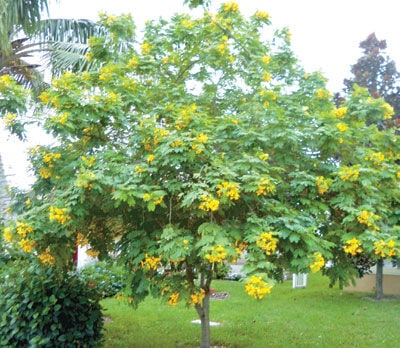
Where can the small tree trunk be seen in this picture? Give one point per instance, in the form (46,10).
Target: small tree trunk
(379,279)
(204,314)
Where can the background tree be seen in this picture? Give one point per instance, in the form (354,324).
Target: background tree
(377,72)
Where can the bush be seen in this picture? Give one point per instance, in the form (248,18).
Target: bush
(105,276)
(44,307)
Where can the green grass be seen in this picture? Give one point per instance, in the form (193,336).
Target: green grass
(313,317)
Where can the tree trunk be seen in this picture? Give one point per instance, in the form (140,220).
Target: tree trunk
(204,314)
(379,279)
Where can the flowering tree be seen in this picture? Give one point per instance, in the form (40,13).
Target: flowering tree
(201,141)
(363,192)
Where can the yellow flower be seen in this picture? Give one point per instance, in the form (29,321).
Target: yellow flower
(146,197)
(208,203)
(92,253)
(263,157)
(145,48)
(176,143)
(8,234)
(173,299)
(46,257)
(81,240)
(265,187)
(342,127)
(388,111)
(262,15)
(376,158)
(266,77)
(133,62)
(231,7)
(10,118)
(197,297)
(27,245)
(256,287)
(353,247)
(217,254)
(23,228)
(231,190)
(322,184)
(59,215)
(266,59)
(340,112)
(151,262)
(267,242)
(323,93)
(202,138)
(318,262)
(368,218)
(348,173)
(150,158)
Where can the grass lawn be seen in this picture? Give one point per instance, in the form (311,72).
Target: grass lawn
(313,317)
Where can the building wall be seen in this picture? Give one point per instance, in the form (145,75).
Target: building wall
(391,282)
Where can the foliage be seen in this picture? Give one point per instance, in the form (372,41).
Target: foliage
(42,308)
(204,140)
(105,276)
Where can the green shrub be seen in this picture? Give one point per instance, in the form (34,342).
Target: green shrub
(105,276)
(45,307)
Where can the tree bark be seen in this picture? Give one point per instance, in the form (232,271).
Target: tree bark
(204,314)
(379,279)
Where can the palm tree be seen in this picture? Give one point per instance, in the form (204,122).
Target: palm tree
(60,44)
(31,44)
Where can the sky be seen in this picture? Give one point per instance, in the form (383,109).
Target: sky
(325,37)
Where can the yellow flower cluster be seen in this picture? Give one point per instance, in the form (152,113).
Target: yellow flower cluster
(177,143)
(81,240)
(318,262)
(368,218)
(208,203)
(322,184)
(133,62)
(145,48)
(45,172)
(50,158)
(340,112)
(8,234)
(61,119)
(223,49)
(267,242)
(88,161)
(92,253)
(265,187)
(197,297)
(349,174)
(353,247)
(263,157)
(229,189)
(202,138)
(173,299)
(59,215)
(257,287)
(262,15)
(266,59)
(384,249)
(5,80)
(23,228)
(323,93)
(46,257)
(151,262)
(9,119)
(388,111)
(342,127)
(150,158)
(231,7)
(27,245)
(376,158)
(217,254)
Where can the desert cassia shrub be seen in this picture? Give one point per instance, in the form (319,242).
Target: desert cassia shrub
(45,307)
